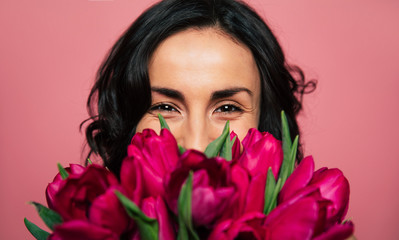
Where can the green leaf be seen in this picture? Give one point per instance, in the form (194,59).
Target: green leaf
(50,217)
(294,149)
(286,139)
(37,232)
(148,227)
(181,149)
(269,191)
(285,130)
(346,220)
(226,151)
(163,122)
(277,189)
(64,174)
(287,166)
(186,229)
(213,149)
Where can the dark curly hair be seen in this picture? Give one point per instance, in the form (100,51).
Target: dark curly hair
(121,94)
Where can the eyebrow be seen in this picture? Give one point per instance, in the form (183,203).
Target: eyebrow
(225,93)
(169,93)
(220,94)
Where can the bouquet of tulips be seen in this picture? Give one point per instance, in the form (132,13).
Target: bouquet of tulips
(233,190)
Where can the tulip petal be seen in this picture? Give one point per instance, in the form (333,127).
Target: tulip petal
(236,149)
(248,226)
(209,203)
(81,230)
(73,200)
(106,211)
(298,179)
(334,187)
(255,200)
(220,231)
(74,170)
(156,208)
(337,232)
(297,221)
(252,137)
(131,179)
(148,227)
(259,156)
(240,179)
(166,230)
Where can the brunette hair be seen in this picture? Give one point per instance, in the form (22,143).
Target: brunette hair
(121,94)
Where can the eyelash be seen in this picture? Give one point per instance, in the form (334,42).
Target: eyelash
(163,107)
(224,109)
(228,108)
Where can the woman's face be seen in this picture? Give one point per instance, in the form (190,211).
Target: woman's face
(200,79)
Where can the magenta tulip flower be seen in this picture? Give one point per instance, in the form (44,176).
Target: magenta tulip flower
(294,219)
(106,211)
(241,179)
(333,186)
(298,180)
(212,188)
(74,170)
(338,231)
(156,208)
(81,230)
(261,151)
(247,227)
(328,187)
(150,157)
(76,194)
(236,149)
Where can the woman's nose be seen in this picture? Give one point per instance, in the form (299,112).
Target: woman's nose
(195,134)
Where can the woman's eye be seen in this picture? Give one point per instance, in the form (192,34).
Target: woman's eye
(228,108)
(163,107)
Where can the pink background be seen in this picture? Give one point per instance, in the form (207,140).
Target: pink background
(50,50)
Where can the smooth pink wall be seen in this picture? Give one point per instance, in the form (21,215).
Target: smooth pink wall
(50,50)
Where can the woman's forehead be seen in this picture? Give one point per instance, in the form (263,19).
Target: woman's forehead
(204,57)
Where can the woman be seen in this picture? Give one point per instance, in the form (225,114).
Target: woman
(199,63)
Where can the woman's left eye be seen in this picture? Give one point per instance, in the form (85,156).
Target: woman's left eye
(164,108)
(228,108)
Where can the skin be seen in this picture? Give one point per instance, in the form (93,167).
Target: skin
(200,78)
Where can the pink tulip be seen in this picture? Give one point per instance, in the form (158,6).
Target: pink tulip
(74,170)
(156,208)
(161,151)
(293,219)
(131,176)
(255,200)
(106,211)
(261,151)
(338,231)
(75,196)
(328,187)
(81,230)
(212,187)
(236,149)
(248,194)
(150,157)
(241,180)
(299,179)
(247,227)
(333,186)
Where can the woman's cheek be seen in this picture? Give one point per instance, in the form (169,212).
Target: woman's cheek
(149,121)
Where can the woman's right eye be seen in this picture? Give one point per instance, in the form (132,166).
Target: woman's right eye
(163,108)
